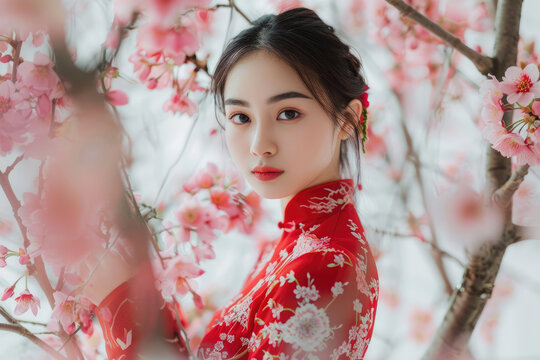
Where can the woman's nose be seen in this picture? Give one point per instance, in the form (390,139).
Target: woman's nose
(263,142)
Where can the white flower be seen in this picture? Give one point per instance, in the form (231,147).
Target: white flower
(277,311)
(218,346)
(337,289)
(357,305)
(307,329)
(339,259)
(288,278)
(306,293)
(283,254)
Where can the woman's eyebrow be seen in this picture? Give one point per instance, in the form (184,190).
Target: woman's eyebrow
(271,100)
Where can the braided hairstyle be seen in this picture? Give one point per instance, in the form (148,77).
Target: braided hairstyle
(324,63)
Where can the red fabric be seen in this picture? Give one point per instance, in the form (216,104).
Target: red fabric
(131,313)
(313,295)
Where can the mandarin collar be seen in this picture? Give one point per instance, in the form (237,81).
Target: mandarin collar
(317,201)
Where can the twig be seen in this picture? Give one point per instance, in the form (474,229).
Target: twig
(232,4)
(503,195)
(483,63)
(526,232)
(12,166)
(17,328)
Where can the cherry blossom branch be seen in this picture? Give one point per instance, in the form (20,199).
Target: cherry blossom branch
(503,196)
(17,45)
(468,301)
(36,268)
(483,63)
(17,328)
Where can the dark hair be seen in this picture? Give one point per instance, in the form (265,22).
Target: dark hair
(323,62)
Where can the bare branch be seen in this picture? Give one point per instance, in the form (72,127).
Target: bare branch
(17,328)
(503,196)
(483,63)
(526,233)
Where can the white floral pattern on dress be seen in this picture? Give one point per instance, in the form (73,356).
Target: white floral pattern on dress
(313,295)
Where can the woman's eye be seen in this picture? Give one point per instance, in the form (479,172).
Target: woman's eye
(243,118)
(289,114)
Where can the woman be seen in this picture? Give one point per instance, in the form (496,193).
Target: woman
(292,95)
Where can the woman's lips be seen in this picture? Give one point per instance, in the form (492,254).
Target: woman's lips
(267,176)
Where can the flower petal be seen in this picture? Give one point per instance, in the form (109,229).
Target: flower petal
(532,71)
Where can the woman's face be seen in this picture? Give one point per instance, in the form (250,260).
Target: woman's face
(273,120)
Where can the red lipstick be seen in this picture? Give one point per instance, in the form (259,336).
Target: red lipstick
(266,173)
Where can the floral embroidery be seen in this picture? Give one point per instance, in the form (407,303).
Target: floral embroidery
(335,197)
(313,295)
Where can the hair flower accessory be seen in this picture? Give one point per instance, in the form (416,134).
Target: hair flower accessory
(363,119)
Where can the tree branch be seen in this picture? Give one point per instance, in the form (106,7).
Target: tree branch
(468,301)
(527,233)
(483,63)
(503,196)
(17,328)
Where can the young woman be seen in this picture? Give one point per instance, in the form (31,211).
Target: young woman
(292,95)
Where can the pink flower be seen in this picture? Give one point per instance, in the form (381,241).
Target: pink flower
(3,252)
(176,40)
(15,117)
(8,292)
(174,280)
(39,75)
(116,97)
(180,103)
(23,257)
(536,108)
(63,312)
(69,311)
(24,301)
(521,85)
(221,198)
(512,144)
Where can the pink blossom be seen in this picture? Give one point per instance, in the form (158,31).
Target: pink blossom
(190,213)
(8,292)
(175,279)
(70,311)
(521,85)
(23,257)
(204,180)
(15,117)
(63,312)
(164,11)
(177,40)
(24,301)
(3,252)
(116,97)
(536,108)
(180,103)
(467,218)
(203,251)
(191,186)
(513,145)
(39,75)
(221,198)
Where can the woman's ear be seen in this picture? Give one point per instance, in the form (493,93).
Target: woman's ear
(354,110)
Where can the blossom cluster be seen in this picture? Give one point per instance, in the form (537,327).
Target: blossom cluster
(167,39)
(415,50)
(28,93)
(210,202)
(518,92)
